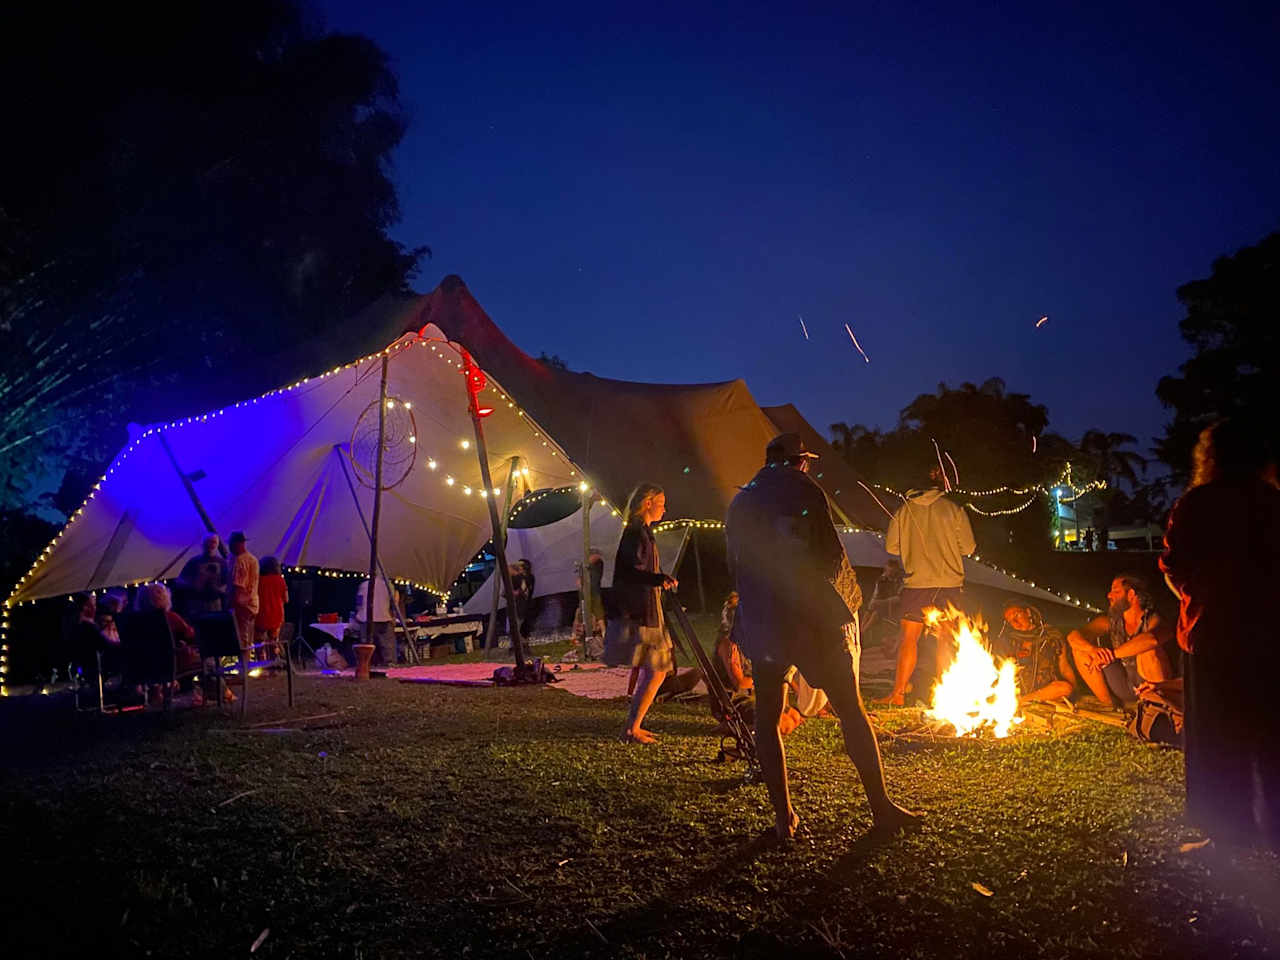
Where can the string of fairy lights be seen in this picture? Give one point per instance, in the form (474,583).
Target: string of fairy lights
(1035,490)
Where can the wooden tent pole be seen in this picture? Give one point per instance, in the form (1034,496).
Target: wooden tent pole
(584,573)
(697,566)
(474,381)
(491,633)
(410,650)
(377,505)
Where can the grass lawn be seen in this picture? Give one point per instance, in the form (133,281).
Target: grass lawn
(463,822)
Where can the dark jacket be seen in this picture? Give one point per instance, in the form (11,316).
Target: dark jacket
(637,578)
(785,558)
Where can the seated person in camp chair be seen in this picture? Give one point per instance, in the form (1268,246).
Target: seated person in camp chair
(87,640)
(1045,670)
(1117,651)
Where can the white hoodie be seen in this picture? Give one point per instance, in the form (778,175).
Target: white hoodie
(932,536)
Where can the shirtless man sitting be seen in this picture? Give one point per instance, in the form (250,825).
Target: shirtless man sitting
(1119,650)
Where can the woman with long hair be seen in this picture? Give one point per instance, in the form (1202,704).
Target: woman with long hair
(1222,560)
(638,637)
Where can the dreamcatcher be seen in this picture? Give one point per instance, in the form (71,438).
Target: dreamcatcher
(399,444)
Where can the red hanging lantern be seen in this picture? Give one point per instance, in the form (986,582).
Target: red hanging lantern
(476,379)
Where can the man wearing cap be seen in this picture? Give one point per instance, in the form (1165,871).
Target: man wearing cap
(244,586)
(932,535)
(785,558)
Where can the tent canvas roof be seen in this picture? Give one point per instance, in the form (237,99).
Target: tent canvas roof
(702,441)
(277,467)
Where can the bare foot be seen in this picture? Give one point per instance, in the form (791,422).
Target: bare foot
(894,818)
(638,735)
(892,700)
(786,830)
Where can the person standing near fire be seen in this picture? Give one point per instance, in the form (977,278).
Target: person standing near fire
(786,561)
(932,536)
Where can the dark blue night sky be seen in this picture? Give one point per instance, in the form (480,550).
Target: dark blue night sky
(658,198)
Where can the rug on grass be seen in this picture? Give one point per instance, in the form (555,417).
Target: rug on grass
(592,680)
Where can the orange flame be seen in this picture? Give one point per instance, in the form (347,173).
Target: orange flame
(975,693)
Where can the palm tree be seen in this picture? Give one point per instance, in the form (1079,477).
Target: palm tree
(1103,453)
(856,443)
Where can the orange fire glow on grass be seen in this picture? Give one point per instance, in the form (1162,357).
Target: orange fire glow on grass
(975,694)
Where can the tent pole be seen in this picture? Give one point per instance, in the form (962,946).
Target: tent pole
(697,566)
(491,632)
(112,552)
(844,517)
(191,491)
(412,654)
(584,573)
(377,504)
(474,382)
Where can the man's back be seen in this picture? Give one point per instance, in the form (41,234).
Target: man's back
(245,577)
(932,536)
(783,554)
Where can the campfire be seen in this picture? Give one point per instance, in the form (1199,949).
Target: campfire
(975,694)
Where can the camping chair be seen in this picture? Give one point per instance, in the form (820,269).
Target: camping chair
(217,638)
(83,681)
(150,655)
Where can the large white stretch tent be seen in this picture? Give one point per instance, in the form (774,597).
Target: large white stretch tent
(280,468)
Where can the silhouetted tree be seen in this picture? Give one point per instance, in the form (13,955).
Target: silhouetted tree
(1233,324)
(186,193)
(1105,458)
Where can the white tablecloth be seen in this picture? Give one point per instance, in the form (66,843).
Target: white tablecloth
(335,630)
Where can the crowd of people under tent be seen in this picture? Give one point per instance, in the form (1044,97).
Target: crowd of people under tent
(239,591)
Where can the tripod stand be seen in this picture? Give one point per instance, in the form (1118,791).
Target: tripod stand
(743,746)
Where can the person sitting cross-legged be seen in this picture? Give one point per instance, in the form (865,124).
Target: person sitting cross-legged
(1045,670)
(1124,647)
